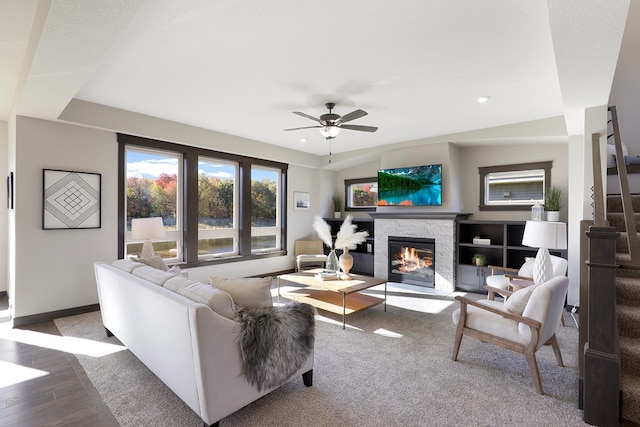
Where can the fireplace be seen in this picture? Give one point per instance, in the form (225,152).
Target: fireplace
(412,260)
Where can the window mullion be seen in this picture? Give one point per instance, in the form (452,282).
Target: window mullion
(190,208)
(244,238)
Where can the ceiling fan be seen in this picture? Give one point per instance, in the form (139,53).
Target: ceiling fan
(330,124)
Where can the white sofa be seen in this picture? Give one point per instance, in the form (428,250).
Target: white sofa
(189,346)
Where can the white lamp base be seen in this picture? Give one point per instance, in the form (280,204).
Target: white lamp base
(147,249)
(542,267)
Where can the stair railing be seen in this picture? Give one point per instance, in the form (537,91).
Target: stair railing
(600,383)
(625,194)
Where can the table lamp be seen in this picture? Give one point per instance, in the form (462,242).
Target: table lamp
(147,229)
(544,235)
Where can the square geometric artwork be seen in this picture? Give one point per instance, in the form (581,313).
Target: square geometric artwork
(70,199)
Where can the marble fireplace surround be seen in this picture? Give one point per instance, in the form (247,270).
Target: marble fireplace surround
(438,226)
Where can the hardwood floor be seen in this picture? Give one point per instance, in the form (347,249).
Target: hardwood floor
(44,387)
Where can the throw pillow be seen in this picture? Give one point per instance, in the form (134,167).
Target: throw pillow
(154,261)
(527,268)
(519,299)
(246,292)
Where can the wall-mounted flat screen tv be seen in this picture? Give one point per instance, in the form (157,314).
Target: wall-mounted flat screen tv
(412,186)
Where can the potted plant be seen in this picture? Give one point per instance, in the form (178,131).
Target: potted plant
(337,205)
(479,259)
(553,202)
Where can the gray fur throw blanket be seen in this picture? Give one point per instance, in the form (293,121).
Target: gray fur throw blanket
(275,342)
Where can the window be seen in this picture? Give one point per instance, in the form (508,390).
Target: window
(514,187)
(265,229)
(361,194)
(151,191)
(217,219)
(216,207)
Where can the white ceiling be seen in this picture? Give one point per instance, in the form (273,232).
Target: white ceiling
(241,67)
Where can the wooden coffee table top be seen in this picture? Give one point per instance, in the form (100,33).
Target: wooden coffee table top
(355,284)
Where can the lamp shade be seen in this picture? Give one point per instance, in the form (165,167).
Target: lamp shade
(545,234)
(147,228)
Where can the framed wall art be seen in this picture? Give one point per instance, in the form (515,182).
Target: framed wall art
(301,201)
(70,199)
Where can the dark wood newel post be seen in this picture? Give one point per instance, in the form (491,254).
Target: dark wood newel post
(601,363)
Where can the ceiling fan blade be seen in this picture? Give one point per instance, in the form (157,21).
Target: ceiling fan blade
(352,116)
(305,127)
(307,116)
(358,127)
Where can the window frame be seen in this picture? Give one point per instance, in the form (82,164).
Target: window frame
(347,194)
(485,170)
(189,199)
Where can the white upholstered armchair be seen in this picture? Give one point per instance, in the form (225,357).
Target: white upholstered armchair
(526,321)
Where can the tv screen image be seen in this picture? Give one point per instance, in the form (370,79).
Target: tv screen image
(411,186)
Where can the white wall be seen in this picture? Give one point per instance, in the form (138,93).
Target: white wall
(54,268)
(4,218)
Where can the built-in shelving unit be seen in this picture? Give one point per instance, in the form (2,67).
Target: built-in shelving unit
(503,247)
(363,258)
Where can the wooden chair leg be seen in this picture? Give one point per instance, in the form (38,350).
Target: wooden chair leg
(556,350)
(533,367)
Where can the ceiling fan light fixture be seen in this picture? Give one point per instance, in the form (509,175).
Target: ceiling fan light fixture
(329,131)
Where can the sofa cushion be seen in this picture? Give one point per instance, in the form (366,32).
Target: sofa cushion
(246,292)
(154,261)
(218,300)
(153,274)
(127,265)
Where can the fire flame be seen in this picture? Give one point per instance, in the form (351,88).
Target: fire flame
(411,261)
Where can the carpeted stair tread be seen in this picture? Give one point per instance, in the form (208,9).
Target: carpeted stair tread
(628,320)
(616,220)
(625,271)
(628,291)
(614,204)
(630,355)
(622,245)
(631,397)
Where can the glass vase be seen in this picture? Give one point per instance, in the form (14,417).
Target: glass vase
(332,261)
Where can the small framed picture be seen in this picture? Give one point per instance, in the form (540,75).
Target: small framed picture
(301,201)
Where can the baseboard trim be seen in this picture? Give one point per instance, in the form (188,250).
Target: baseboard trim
(47,317)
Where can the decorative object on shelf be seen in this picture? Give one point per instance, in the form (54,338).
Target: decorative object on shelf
(544,235)
(480,241)
(337,205)
(347,238)
(537,212)
(479,259)
(301,201)
(147,229)
(332,261)
(70,199)
(553,202)
(346,261)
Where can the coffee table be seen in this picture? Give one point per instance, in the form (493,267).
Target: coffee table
(331,295)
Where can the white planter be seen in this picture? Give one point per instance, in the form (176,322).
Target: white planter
(336,214)
(553,216)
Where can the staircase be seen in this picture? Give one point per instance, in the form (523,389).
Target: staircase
(628,311)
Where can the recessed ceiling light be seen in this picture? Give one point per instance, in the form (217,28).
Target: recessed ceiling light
(303,140)
(483,99)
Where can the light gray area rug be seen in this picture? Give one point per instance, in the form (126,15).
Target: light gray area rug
(390,368)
